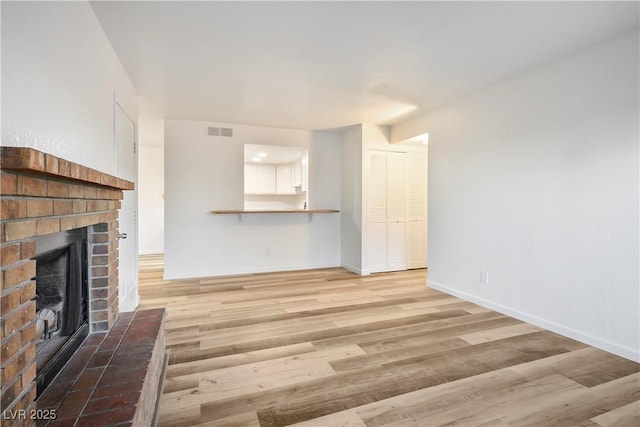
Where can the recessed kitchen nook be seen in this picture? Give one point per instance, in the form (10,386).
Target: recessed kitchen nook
(275,177)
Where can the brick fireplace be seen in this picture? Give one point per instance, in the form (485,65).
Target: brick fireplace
(42,194)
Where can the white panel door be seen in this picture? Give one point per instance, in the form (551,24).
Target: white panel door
(397,186)
(378,188)
(397,246)
(387,211)
(378,215)
(378,247)
(397,214)
(416,244)
(126,167)
(417,210)
(266,179)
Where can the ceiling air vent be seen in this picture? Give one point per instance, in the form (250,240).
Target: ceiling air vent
(211,131)
(226,132)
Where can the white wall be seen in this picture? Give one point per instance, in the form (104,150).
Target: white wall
(351,217)
(151,199)
(535,181)
(151,179)
(59,76)
(204,173)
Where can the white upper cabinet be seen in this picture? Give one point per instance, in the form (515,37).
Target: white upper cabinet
(296,174)
(268,179)
(250,178)
(284,179)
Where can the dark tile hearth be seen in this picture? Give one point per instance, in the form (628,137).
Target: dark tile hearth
(106,383)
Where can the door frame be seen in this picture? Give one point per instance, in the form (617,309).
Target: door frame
(130,299)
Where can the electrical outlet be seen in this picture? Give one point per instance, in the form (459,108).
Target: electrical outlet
(484,277)
(268,251)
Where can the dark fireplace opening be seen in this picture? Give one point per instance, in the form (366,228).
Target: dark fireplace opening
(61,301)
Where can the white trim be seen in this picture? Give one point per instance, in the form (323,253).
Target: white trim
(254,271)
(356,270)
(150,253)
(129,302)
(603,344)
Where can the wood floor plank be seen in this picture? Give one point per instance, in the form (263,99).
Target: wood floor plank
(587,366)
(205,365)
(396,314)
(245,419)
(317,334)
(317,305)
(400,377)
(499,333)
(342,419)
(626,415)
(180,407)
(396,333)
(572,408)
(270,374)
(376,359)
(351,311)
(384,341)
(327,347)
(457,402)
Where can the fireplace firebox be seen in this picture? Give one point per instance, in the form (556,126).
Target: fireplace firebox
(61,301)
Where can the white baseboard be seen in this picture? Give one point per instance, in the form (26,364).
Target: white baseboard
(254,271)
(603,344)
(130,302)
(356,270)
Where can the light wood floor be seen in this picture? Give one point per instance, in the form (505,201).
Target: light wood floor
(330,348)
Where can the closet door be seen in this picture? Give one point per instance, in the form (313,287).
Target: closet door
(417,210)
(387,211)
(378,207)
(397,211)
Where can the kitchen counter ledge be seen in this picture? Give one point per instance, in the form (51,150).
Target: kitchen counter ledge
(274,211)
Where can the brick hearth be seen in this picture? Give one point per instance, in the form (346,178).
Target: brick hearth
(43,194)
(114,379)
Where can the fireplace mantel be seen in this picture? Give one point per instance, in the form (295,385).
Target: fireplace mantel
(43,194)
(21,159)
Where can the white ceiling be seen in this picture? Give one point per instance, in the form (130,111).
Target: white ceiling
(321,65)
